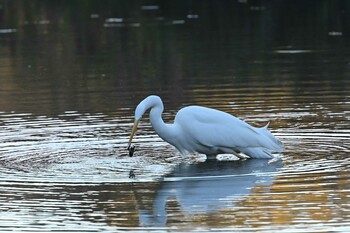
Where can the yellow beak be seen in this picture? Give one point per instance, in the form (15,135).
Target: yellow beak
(133,131)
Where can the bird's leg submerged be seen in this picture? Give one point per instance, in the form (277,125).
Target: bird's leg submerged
(241,155)
(211,157)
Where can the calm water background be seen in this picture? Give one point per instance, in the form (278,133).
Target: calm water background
(72,72)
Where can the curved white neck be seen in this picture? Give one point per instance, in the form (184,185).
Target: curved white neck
(165,131)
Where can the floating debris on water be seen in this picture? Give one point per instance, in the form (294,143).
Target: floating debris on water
(150,7)
(134,24)
(7,30)
(38,22)
(94,16)
(114,20)
(335,33)
(192,16)
(257,8)
(292,51)
(179,21)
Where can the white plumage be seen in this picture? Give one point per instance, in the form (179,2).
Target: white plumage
(208,131)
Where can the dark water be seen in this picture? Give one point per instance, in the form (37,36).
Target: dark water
(72,72)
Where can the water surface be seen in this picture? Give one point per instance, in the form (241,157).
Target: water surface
(71,75)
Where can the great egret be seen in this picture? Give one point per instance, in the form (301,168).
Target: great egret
(208,131)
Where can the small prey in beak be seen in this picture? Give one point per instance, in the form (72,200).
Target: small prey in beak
(131,149)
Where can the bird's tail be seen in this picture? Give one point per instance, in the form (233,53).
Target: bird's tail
(268,144)
(271,142)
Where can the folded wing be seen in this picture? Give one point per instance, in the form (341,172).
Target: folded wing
(212,131)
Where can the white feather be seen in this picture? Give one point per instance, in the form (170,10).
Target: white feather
(209,131)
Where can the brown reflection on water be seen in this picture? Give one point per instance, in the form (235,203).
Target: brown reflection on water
(78,78)
(286,201)
(277,205)
(122,203)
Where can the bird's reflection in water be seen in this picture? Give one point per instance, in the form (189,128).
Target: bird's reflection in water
(208,187)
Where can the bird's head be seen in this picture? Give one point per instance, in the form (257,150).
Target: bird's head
(141,108)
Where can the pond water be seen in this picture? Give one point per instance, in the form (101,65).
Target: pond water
(71,74)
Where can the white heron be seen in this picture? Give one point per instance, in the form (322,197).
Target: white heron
(208,131)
